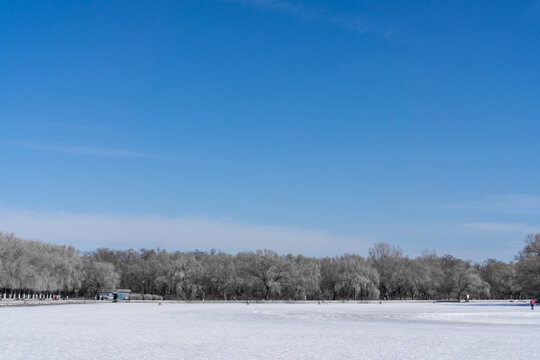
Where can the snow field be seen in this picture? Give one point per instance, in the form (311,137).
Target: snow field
(270,331)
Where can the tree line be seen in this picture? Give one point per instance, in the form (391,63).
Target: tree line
(386,273)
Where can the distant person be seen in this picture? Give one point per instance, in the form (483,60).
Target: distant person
(533,302)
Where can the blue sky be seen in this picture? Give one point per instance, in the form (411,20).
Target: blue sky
(308,127)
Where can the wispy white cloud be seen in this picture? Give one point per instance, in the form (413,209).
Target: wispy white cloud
(71,126)
(89,231)
(287,7)
(478,240)
(492,227)
(349,21)
(80,150)
(467,240)
(294,9)
(502,203)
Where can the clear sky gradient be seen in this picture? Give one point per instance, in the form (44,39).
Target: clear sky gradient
(313,127)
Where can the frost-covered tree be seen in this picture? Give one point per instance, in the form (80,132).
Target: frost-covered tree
(266,270)
(387,259)
(33,266)
(528,266)
(349,277)
(502,279)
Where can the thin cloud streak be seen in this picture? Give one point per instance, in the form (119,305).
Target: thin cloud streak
(491,227)
(501,203)
(291,9)
(89,231)
(353,22)
(81,150)
(86,231)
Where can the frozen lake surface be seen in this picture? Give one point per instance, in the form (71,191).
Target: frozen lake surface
(271,331)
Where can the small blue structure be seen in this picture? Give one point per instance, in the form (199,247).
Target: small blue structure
(114,294)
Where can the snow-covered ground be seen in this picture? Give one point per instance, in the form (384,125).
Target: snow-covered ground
(271,331)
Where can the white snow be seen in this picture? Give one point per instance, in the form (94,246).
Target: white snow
(270,331)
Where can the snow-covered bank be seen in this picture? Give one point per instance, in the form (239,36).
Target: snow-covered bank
(271,331)
(36,302)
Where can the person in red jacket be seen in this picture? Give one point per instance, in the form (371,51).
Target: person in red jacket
(532,304)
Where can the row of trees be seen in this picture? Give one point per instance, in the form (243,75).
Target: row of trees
(35,267)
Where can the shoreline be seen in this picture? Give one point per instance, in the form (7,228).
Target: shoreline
(30,302)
